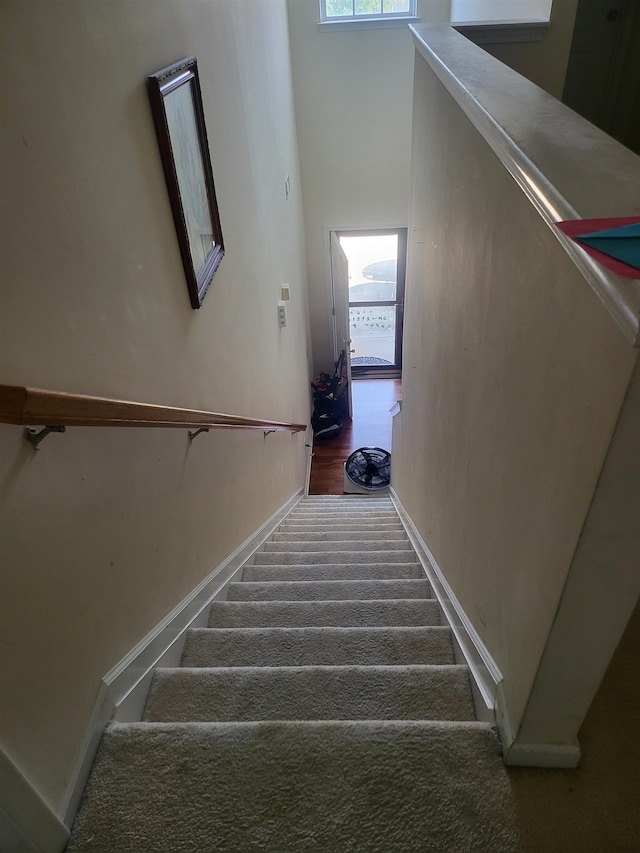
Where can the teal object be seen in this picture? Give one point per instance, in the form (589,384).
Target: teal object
(622,243)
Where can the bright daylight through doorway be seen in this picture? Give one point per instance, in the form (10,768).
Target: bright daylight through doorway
(376,291)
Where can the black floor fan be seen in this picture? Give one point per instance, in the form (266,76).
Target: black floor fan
(367,471)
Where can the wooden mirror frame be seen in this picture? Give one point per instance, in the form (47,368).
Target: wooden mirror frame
(160,86)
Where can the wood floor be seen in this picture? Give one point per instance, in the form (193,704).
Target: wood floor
(370,426)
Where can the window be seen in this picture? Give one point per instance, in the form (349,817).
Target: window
(499,10)
(365,10)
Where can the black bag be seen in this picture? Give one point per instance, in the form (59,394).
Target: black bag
(330,401)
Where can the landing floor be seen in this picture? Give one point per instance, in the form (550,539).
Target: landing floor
(370,426)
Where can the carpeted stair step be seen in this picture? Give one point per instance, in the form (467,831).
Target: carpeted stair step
(368,498)
(343,515)
(326,536)
(327,590)
(345,500)
(331,572)
(284,557)
(338,614)
(347,507)
(337,527)
(286,787)
(317,646)
(333,544)
(327,521)
(243,694)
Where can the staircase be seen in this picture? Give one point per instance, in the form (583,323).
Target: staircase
(322,709)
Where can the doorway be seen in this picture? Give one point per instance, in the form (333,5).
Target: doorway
(375,296)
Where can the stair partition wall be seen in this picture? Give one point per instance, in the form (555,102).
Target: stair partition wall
(515,449)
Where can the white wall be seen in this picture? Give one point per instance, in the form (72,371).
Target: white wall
(514,375)
(543,62)
(105,531)
(499,10)
(353,112)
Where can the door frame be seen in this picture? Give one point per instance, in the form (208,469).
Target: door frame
(380,371)
(340,310)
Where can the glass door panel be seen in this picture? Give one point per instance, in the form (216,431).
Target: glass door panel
(373,335)
(373,267)
(376,297)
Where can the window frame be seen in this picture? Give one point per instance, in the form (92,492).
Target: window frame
(401,232)
(410,15)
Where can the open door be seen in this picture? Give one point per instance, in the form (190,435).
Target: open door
(340,295)
(376,260)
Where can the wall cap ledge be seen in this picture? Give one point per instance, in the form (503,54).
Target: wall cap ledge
(565,166)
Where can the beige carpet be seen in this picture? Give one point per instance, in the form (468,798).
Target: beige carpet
(322,710)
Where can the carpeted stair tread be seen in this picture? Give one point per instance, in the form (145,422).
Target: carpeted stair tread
(327,590)
(317,646)
(286,557)
(347,507)
(354,520)
(339,614)
(368,498)
(286,787)
(337,511)
(337,527)
(331,572)
(333,544)
(333,535)
(346,500)
(350,508)
(243,694)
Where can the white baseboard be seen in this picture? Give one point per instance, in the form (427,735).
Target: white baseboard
(307,476)
(487,681)
(562,756)
(484,670)
(123,690)
(27,824)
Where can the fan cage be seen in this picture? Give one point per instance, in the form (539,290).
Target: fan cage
(369,468)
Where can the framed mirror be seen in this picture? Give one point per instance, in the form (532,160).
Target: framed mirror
(176,105)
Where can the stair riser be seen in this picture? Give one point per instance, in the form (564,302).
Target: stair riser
(287,558)
(332,573)
(327,590)
(339,614)
(339,545)
(338,515)
(310,693)
(349,507)
(317,647)
(311,526)
(345,499)
(323,537)
(355,505)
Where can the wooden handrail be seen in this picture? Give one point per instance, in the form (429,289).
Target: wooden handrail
(36,407)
